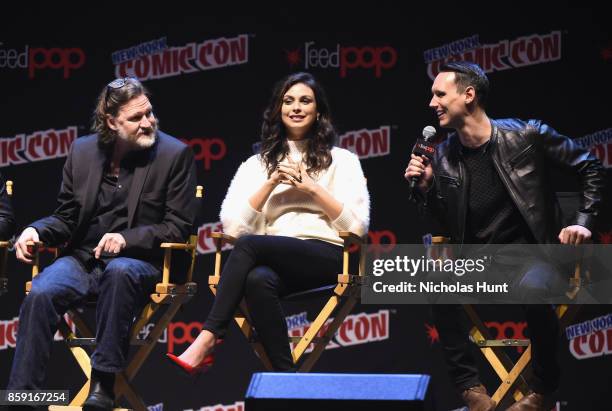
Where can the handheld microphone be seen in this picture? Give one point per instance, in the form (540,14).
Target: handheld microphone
(423,147)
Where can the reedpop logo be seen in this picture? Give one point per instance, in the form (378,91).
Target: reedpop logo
(345,58)
(207,150)
(37,58)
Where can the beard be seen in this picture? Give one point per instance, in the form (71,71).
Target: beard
(145,138)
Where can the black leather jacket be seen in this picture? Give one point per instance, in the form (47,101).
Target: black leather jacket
(522,153)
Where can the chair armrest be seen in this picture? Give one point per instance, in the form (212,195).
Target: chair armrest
(440,239)
(190,246)
(178,246)
(4,244)
(224,237)
(350,238)
(219,239)
(36,246)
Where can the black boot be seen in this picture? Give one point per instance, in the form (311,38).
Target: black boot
(101,395)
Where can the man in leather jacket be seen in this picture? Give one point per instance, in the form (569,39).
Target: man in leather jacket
(488,184)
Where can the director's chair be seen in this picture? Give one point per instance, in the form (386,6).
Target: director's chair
(165,302)
(513,385)
(345,295)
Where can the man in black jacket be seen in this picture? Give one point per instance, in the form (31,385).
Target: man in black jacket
(125,190)
(488,184)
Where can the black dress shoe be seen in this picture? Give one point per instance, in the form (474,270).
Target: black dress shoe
(101,396)
(98,402)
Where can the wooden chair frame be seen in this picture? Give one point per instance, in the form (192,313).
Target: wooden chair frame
(513,385)
(512,382)
(166,300)
(345,295)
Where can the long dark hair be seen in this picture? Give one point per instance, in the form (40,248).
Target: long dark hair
(320,138)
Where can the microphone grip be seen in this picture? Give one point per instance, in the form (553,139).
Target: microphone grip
(414,192)
(413,182)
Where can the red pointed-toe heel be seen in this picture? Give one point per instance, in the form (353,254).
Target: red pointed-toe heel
(192,371)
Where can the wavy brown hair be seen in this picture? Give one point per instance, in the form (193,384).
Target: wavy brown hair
(320,138)
(110,101)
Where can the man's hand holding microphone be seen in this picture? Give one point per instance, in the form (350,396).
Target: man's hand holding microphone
(419,171)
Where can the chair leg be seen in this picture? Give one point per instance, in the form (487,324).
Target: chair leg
(512,378)
(246,328)
(315,326)
(123,385)
(148,312)
(509,372)
(81,356)
(320,321)
(499,360)
(312,358)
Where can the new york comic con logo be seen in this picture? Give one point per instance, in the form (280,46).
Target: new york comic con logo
(505,54)
(38,146)
(345,59)
(591,338)
(367,143)
(600,144)
(360,328)
(154,59)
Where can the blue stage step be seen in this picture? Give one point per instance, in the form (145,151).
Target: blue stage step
(297,391)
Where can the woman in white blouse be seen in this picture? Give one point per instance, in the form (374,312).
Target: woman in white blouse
(286,206)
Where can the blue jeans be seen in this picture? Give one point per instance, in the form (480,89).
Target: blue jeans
(122,288)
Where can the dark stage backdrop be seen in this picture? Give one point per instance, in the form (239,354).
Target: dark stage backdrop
(210,80)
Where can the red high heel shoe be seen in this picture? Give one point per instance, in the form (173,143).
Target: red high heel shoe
(202,367)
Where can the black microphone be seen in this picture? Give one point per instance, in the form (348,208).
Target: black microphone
(423,147)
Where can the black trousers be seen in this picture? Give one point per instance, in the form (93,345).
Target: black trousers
(533,279)
(262,269)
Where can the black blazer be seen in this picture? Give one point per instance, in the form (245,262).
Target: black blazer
(161,202)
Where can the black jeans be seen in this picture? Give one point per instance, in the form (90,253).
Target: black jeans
(453,327)
(262,269)
(122,287)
